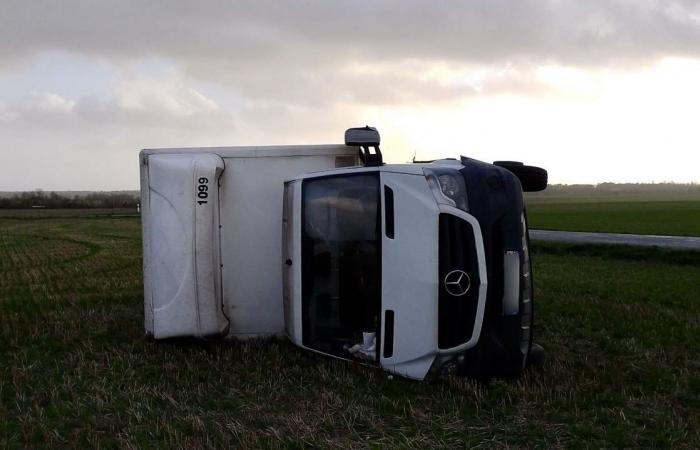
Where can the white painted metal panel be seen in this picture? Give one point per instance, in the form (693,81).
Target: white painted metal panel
(292,252)
(181,259)
(252,191)
(269,151)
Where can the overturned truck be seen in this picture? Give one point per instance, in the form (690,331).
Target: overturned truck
(408,267)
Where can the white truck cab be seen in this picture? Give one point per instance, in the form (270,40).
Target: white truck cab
(410,266)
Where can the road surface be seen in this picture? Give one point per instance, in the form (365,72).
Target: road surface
(645,240)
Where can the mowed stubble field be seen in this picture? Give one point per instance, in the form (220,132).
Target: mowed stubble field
(620,327)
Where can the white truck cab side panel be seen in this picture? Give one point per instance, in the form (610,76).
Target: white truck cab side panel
(181,245)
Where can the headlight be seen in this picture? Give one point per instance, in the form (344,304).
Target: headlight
(447,186)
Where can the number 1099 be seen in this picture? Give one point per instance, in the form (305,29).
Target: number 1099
(202,191)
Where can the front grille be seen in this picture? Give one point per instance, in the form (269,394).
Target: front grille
(457,254)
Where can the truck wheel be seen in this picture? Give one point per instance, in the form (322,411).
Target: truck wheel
(536,357)
(505,164)
(532,178)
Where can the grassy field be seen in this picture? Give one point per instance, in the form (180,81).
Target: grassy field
(53,213)
(639,217)
(621,328)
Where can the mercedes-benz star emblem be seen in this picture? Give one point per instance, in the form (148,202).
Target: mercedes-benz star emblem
(457,283)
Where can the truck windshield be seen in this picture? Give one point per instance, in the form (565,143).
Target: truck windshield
(340,262)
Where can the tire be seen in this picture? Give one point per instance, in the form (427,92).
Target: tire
(505,164)
(532,178)
(536,357)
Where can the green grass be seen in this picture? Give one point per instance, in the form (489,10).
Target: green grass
(621,329)
(41,213)
(668,217)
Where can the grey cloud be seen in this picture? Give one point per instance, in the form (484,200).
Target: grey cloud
(318,34)
(300,71)
(310,87)
(168,103)
(54,142)
(301,53)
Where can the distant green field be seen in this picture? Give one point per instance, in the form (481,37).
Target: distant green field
(679,218)
(621,328)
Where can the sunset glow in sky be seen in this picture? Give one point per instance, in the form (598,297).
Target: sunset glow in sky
(592,90)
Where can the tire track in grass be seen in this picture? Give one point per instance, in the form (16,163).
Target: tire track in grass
(46,277)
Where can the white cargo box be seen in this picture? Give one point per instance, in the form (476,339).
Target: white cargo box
(212,229)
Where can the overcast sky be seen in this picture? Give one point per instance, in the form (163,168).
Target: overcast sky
(592,90)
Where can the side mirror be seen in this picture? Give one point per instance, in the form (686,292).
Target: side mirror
(532,178)
(365,138)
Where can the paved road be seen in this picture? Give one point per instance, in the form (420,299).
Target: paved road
(646,240)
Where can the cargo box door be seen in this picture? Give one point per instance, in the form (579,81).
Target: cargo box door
(181,248)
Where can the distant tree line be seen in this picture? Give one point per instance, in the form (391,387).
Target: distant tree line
(54,200)
(625,187)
